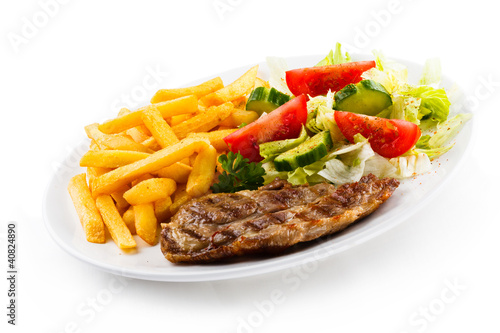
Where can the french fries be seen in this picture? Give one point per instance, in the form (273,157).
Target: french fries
(113,180)
(201,177)
(111,158)
(162,209)
(145,222)
(229,93)
(117,228)
(143,165)
(118,142)
(182,105)
(216,138)
(204,121)
(178,171)
(199,91)
(150,190)
(180,198)
(240,117)
(159,128)
(86,209)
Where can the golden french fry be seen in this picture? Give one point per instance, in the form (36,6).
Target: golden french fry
(137,135)
(261,83)
(141,178)
(93,173)
(240,103)
(120,142)
(180,198)
(177,171)
(113,180)
(179,119)
(121,204)
(199,91)
(94,145)
(236,89)
(205,121)
(202,176)
(162,209)
(192,158)
(150,190)
(216,138)
(145,222)
(182,105)
(86,209)
(158,127)
(239,117)
(151,143)
(123,111)
(114,141)
(117,228)
(110,158)
(129,219)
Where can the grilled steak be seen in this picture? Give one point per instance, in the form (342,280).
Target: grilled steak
(268,220)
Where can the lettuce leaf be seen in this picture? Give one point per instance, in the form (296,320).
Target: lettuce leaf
(434,102)
(431,75)
(405,108)
(447,130)
(277,74)
(335,58)
(444,132)
(347,164)
(411,165)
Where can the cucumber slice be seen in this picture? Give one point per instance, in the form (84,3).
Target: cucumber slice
(306,153)
(268,150)
(366,97)
(263,99)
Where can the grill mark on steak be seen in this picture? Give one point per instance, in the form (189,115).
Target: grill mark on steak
(270,219)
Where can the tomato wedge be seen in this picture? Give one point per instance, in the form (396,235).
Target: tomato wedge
(388,137)
(314,81)
(282,123)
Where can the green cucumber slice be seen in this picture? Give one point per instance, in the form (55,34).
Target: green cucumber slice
(306,153)
(268,150)
(366,97)
(263,99)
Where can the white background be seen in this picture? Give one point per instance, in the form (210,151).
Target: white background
(82,61)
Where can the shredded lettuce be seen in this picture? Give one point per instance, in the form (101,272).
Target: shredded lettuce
(335,58)
(317,108)
(392,75)
(412,165)
(434,102)
(449,129)
(431,75)
(379,166)
(405,108)
(348,167)
(271,173)
(277,74)
(438,143)
(306,174)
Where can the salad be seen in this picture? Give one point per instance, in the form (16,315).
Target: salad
(341,119)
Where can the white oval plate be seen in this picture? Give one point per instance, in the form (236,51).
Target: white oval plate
(148,263)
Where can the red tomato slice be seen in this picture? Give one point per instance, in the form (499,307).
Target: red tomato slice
(315,81)
(282,123)
(388,137)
